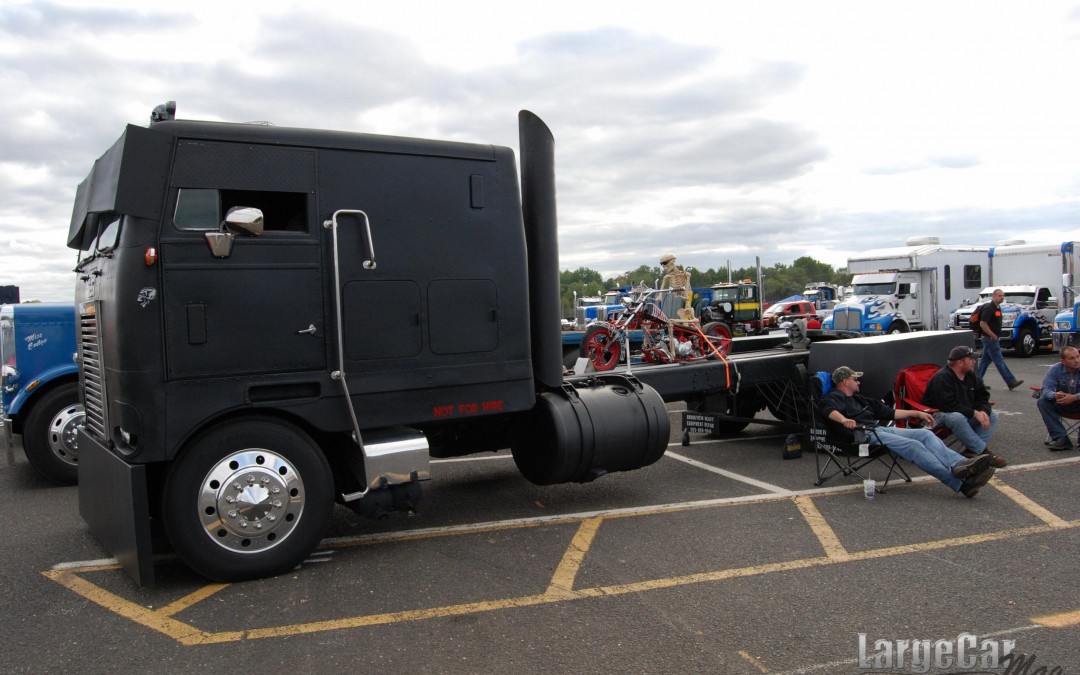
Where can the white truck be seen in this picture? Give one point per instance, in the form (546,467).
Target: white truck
(913,287)
(1037,280)
(1027,316)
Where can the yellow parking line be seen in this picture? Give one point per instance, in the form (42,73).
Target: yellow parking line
(188,635)
(1063,620)
(1028,505)
(183,603)
(757,664)
(825,534)
(178,630)
(562,582)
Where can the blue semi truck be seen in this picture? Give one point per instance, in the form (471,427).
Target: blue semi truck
(39,388)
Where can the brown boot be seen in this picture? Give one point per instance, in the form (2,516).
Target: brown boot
(996,461)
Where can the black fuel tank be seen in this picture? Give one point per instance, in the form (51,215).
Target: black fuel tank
(579,433)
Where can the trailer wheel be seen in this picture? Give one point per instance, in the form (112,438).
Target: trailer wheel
(719,329)
(50,435)
(1025,344)
(600,347)
(250,498)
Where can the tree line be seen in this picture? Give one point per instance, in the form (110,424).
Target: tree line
(781,280)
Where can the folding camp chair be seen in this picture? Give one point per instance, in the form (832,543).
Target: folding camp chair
(842,457)
(1071,421)
(908,391)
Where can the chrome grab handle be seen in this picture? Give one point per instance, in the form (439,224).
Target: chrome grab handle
(339,374)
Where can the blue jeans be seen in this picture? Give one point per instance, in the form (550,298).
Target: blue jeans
(1051,411)
(925,450)
(968,429)
(992,352)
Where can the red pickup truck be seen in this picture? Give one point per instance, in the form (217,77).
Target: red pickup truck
(781,312)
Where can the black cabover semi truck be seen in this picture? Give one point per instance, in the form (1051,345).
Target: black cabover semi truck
(272,319)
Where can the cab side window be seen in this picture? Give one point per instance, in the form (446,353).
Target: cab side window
(201,209)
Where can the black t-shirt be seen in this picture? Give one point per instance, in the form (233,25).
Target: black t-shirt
(855,407)
(991,314)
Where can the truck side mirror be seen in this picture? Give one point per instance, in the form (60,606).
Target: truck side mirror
(1051,303)
(243,220)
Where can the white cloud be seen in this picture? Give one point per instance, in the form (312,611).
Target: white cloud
(721,131)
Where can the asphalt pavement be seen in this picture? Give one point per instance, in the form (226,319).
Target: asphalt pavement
(720,558)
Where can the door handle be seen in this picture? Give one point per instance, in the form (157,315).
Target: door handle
(310,330)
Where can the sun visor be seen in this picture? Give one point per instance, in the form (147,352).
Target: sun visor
(129,179)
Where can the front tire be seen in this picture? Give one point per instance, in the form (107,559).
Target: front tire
(250,498)
(1025,344)
(600,347)
(897,327)
(50,435)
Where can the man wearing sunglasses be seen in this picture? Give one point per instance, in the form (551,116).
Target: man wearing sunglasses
(846,409)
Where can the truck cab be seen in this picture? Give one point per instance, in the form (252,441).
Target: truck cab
(273,320)
(737,305)
(882,302)
(39,390)
(1067,328)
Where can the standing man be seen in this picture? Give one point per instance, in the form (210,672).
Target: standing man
(1059,395)
(990,327)
(846,409)
(963,404)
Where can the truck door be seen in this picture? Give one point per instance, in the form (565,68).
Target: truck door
(260,308)
(912,296)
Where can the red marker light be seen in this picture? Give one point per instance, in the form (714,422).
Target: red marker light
(151,256)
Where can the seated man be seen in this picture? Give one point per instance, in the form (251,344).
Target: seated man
(964,404)
(1059,395)
(845,409)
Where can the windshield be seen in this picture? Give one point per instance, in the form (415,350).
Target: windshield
(775,309)
(887,288)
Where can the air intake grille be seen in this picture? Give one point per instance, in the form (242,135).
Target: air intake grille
(847,319)
(93,378)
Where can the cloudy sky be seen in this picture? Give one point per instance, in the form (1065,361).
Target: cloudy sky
(717,130)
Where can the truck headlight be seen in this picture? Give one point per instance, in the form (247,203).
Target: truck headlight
(1062,325)
(10,377)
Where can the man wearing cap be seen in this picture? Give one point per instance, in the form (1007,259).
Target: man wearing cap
(990,330)
(846,409)
(963,403)
(1060,394)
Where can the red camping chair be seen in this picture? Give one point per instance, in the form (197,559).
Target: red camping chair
(908,391)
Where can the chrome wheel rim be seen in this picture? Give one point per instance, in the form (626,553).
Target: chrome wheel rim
(251,501)
(64,433)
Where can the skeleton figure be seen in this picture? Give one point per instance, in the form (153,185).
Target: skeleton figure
(679,281)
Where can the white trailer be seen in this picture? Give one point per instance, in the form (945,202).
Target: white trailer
(912,287)
(1038,281)
(1053,266)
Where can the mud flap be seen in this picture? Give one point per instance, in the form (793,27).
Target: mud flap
(113,501)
